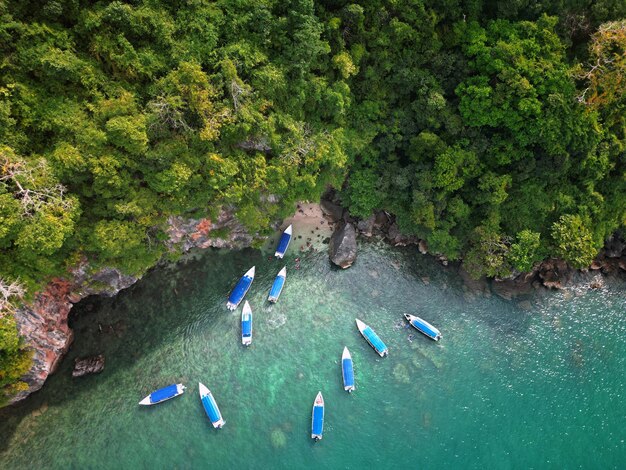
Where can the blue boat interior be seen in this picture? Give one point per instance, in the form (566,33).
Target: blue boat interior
(277,286)
(240,290)
(424,328)
(246,328)
(374,340)
(211,408)
(318,420)
(283,243)
(164,393)
(348,372)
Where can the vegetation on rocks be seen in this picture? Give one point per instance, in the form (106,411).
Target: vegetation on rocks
(495,132)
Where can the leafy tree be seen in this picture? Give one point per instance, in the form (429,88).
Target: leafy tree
(573,240)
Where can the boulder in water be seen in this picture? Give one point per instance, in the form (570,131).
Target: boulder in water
(88,365)
(342,246)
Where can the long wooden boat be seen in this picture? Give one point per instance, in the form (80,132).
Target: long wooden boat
(278,285)
(163,394)
(347,371)
(317,417)
(210,407)
(423,327)
(283,243)
(246,324)
(240,289)
(372,338)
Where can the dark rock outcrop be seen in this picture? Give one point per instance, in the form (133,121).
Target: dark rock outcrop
(331,210)
(555,273)
(342,247)
(614,246)
(397,238)
(88,365)
(366,226)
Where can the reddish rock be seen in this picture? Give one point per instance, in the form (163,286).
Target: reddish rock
(44,327)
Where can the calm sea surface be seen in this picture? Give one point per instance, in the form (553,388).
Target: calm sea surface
(537,384)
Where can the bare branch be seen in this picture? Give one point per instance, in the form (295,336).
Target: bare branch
(168,114)
(9,292)
(22,177)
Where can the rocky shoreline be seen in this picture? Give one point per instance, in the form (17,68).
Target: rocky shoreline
(44,323)
(550,274)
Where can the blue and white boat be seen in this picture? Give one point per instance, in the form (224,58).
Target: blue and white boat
(210,406)
(317,417)
(283,243)
(372,338)
(423,327)
(163,394)
(240,289)
(278,285)
(246,324)
(347,371)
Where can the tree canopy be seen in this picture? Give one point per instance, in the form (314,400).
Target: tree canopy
(495,132)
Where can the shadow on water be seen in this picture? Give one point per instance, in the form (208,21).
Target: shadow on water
(129,326)
(166,328)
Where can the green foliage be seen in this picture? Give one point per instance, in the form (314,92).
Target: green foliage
(526,250)
(14,361)
(573,240)
(464,119)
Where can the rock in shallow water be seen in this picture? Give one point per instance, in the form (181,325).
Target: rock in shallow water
(88,365)
(342,246)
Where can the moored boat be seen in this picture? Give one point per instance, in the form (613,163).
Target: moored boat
(210,407)
(278,285)
(423,327)
(240,289)
(283,243)
(347,371)
(246,324)
(372,338)
(317,417)
(163,394)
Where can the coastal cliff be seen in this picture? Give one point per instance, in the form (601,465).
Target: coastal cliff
(43,324)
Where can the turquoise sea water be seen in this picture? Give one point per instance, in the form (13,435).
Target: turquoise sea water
(508,387)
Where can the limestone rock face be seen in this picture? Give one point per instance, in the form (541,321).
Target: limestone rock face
(88,365)
(43,323)
(342,247)
(223,232)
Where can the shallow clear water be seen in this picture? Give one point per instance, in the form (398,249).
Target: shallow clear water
(507,387)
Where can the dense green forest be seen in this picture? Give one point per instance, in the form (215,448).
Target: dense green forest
(493,130)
